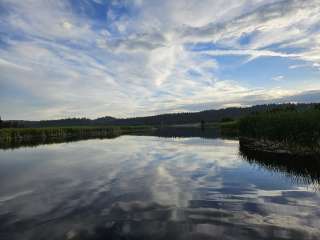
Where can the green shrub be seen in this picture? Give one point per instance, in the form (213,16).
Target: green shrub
(302,127)
(47,133)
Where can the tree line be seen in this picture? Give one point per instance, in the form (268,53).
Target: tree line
(224,114)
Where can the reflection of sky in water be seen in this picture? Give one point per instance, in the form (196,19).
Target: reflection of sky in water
(130,187)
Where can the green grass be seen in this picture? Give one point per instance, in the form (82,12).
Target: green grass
(14,133)
(288,126)
(229,128)
(11,135)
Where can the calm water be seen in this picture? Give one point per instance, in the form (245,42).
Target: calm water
(144,187)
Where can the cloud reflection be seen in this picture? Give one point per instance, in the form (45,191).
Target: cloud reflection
(158,188)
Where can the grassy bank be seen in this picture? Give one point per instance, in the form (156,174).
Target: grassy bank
(291,129)
(229,128)
(22,136)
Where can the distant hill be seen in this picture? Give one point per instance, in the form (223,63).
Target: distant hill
(207,116)
(162,119)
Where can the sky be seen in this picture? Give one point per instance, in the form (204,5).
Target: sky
(127,58)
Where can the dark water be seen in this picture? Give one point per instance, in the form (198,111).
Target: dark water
(144,187)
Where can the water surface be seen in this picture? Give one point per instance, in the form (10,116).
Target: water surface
(146,187)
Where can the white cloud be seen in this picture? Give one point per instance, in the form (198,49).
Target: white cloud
(250,52)
(278,78)
(138,63)
(7,64)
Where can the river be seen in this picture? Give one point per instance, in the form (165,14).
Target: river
(149,187)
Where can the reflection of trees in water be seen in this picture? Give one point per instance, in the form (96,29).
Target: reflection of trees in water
(94,212)
(301,169)
(45,141)
(169,132)
(188,132)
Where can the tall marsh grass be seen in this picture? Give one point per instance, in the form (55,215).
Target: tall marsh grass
(287,125)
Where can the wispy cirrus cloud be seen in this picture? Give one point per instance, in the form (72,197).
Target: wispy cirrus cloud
(125,58)
(278,78)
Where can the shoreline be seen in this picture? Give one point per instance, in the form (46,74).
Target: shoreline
(277,147)
(11,137)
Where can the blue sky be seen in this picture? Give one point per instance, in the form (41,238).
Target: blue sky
(65,58)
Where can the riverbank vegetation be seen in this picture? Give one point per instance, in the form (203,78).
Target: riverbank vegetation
(229,128)
(22,136)
(270,127)
(288,127)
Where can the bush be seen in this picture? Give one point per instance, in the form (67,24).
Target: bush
(227,119)
(302,127)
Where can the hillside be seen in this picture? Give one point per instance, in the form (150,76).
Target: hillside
(163,119)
